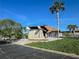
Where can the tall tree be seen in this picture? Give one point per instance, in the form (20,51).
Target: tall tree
(56,7)
(72,28)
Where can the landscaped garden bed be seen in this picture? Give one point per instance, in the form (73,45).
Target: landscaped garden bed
(69,45)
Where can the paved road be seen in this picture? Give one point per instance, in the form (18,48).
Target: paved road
(21,52)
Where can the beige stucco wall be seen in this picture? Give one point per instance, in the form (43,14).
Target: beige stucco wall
(32,35)
(76,34)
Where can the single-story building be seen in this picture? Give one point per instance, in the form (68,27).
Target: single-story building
(76,33)
(42,32)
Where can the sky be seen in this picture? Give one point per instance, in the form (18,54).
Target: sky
(36,12)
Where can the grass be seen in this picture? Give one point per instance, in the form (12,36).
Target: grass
(69,45)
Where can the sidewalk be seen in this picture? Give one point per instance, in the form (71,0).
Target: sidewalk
(22,42)
(26,41)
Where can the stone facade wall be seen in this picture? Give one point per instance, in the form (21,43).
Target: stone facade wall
(36,34)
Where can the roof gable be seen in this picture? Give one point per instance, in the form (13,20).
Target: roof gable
(46,28)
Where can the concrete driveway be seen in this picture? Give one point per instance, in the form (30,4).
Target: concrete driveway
(14,51)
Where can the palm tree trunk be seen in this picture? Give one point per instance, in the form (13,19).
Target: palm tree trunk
(57,15)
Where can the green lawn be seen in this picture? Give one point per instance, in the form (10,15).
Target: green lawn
(69,45)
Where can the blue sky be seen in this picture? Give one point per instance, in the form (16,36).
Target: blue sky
(36,12)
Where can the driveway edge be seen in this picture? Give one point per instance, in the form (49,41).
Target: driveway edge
(53,51)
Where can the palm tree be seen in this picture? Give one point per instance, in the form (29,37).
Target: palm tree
(58,5)
(72,28)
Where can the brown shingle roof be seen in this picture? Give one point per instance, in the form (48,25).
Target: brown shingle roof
(46,28)
(50,29)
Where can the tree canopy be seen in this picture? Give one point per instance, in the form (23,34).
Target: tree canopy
(57,7)
(9,28)
(72,27)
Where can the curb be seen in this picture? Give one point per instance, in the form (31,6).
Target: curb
(53,51)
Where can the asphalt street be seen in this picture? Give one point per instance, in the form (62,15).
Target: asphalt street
(20,52)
